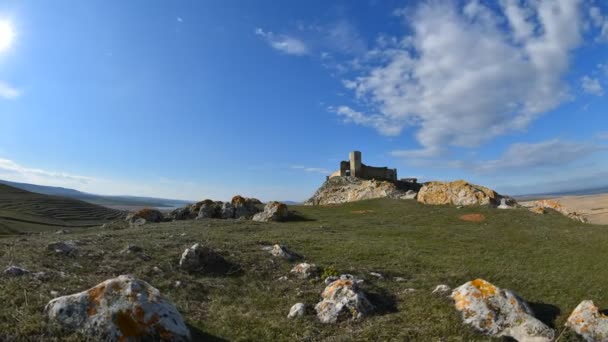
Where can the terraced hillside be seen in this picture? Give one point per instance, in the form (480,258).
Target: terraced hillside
(24,211)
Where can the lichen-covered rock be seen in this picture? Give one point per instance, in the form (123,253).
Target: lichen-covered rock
(120,309)
(457,193)
(284,252)
(297,310)
(149,215)
(538,207)
(338,190)
(273,211)
(200,258)
(343,300)
(15,271)
(304,270)
(244,207)
(498,313)
(587,321)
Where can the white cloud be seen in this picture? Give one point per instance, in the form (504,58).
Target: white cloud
(468,74)
(8,92)
(311,169)
(592,86)
(33,175)
(600,22)
(525,156)
(284,43)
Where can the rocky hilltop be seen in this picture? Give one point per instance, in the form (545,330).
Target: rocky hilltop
(338,190)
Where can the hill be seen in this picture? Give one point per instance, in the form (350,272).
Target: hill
(24,211)
(117,202)
(550,260)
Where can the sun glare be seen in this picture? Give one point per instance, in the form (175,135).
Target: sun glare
(6,35)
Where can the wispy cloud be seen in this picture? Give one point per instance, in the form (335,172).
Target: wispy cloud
(27,174)
(311,169)
(592,86)
(284,43)
(8,92)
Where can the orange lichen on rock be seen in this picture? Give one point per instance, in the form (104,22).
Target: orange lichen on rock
(238,200)
(485,288)
(587,321)
(473,217)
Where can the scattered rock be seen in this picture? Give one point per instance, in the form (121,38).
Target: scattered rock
(132,249)
(408,290)
(473,217)
(399,279)
(273,211)
(539,207)
(244,207)
(200,258)
(305,270)
(498,313)
(63,231)
(283,278)
(587,321)
(377,275)
(297,310)
(209,209)
(15,271)
(285,253)
(119,309)
(66,248)
(441,290)
(457,193)
(343,300)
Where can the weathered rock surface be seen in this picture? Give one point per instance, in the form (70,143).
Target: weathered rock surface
(504,204)
(305,270)
(238,207)
(273,211)
(297,310)
(410,194)
(208,209)
(338,190)
(539,207)
(458,192)
(148,215)
(587,321)
(284,252)
(120,309)
(200,258)
(498,313)
(441,290)
(244,207)
(343,300)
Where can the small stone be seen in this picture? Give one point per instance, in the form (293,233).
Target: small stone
(400,279)
(66,248)
(200,258)
(377,275)
(54,293)
(441,289)
(283,278)
(63,231)
(297,310)
(178,283)
(15,271)
(408,290)
(284,252)
(132,249)
(343,300)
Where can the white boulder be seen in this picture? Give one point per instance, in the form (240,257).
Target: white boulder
(343,300)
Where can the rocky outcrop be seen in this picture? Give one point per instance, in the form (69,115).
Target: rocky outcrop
(119,309)
(338,190)
(498,313)
(343,300)
(238,207)
(273,211)
(144,216)
(457,193)
(587,321)
(538,207)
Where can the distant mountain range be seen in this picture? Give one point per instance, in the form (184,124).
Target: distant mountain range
(107,201)
(582,192)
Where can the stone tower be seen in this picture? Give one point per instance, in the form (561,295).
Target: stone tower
(355,163)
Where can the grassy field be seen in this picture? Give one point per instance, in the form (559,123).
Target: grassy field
(551,261)
(23,211)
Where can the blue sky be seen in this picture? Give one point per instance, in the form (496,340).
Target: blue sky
(193,99)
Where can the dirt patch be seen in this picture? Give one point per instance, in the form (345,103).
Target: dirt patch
(362,211)
(473,217)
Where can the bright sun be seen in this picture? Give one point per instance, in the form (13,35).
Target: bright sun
(6,35)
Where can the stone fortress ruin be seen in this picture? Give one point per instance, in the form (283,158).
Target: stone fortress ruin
(355,168)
